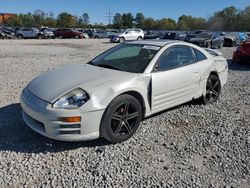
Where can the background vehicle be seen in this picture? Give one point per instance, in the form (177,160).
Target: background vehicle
(2,35)
(106,98)
(84,33)
(29,33)
(101,34)
(168,36)
(129,34)
(68,33)
(180,35)
(242,53)
(232,39)
(153,35)
(208,40)
(190,36)
(48,33)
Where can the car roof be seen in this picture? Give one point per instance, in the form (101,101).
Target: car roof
(160,43)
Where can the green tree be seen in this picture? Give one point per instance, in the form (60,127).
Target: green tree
(183,23)
(149,23)
(117,21)
(65,19)
(140,19)
(127,20)
(166,24)
(27,20)
(39,17)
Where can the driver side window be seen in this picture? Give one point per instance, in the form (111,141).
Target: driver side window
(174,57)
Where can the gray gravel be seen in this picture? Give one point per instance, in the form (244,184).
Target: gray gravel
(188,146)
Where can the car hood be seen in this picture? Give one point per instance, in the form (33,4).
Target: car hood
(197,39)
(54,84)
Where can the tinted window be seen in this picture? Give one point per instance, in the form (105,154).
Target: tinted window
(199,55)
(175,56)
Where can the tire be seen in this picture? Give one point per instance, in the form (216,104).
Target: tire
(220,46)
(60,37)
(139,38)
(20,36)
(39,36)
(209,45)
(213,89)
(121,119)
(121,40)
(77,37)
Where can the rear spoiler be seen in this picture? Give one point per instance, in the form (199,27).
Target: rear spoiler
(213,52)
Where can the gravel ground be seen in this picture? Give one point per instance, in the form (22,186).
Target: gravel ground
(188,146)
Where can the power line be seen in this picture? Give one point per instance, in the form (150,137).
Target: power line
(109,15)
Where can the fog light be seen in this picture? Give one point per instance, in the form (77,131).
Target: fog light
(71,119)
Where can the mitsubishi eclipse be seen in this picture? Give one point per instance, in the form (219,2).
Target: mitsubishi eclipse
(110,95)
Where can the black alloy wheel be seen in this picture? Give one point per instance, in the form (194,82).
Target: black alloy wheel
(121,119)
(213,89)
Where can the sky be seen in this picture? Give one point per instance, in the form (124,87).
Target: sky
(98,9)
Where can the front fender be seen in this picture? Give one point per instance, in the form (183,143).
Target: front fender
(102,96)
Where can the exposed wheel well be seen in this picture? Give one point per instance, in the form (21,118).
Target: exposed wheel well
(138,96)
(214,73)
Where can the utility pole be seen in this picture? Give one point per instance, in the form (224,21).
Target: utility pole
(109,16)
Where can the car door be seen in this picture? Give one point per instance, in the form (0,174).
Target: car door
(26,32)
(129,35)
(33,33)
(176,78)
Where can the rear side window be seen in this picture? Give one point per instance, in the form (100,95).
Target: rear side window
(199,55)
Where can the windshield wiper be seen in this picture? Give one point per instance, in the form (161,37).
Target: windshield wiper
(108,66)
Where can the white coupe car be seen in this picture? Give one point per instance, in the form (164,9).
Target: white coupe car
(110,95)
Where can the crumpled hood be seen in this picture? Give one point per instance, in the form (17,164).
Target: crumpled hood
(197,39)
(54,84)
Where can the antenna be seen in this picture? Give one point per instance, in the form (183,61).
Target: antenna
(109,15)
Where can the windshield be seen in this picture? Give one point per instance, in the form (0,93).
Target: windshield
(127,57)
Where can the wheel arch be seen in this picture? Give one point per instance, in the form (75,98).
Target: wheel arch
(214,73)
(139,97)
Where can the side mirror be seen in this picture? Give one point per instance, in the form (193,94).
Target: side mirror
(156,67)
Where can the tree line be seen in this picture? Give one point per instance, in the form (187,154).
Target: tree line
(228,19)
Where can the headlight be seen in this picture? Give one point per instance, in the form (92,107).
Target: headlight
(72,100)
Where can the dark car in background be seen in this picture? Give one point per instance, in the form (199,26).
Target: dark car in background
(242,53)
(6,33)
(168,36)
(189,36)
(68,33)
(153,35)
(181,35)
(208,40)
